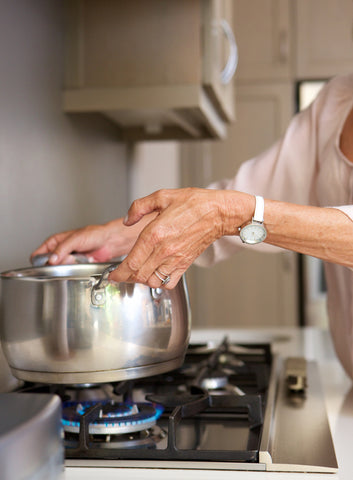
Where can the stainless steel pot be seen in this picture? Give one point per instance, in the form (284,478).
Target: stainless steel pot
(8,382)
(69,324)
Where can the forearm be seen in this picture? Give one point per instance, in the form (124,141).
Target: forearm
(326,233)
(190,220)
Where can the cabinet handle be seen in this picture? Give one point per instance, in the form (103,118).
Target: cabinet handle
(232,62)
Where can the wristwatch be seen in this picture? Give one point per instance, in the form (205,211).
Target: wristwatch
(255,231)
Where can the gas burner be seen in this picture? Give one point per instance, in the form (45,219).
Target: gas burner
(217,382)
(226,347)
(202,348)
(89,392)
(148,438)
(111,417)
(214,380)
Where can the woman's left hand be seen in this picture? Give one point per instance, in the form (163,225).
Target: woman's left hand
(188,221)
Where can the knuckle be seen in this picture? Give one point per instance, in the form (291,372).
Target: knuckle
(152,283)
(134,206)
(51,242)
(132,265)
(135,203)
(141,278)
(154,235)
(161,193)
(161,197)
(166,250)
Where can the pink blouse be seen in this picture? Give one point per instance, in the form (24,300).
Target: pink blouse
(307,167)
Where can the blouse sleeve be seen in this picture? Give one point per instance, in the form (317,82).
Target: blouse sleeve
(284,172)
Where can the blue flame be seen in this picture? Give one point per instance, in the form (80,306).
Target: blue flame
(131,419)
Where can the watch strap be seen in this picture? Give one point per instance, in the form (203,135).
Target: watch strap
(259,209)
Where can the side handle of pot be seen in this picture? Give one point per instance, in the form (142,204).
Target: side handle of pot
(98,295)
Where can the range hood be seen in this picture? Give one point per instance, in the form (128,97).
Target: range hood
(159,70)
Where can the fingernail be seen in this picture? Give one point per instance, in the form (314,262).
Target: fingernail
(126,219)
(53,258)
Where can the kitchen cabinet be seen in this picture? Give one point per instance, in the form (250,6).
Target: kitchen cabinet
(264,36)
(229,293)
(159,70)
(324,38)
(293,39)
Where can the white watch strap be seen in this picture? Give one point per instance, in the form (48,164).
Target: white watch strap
(259,209)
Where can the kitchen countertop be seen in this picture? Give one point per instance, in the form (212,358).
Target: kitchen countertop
(312,343)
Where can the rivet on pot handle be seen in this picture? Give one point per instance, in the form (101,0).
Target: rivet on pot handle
(156,293)
(98,290)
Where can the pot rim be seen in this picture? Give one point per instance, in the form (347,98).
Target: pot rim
(63,272)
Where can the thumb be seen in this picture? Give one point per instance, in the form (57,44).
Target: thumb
(155,202)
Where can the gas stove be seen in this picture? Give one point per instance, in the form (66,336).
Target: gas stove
(229,407)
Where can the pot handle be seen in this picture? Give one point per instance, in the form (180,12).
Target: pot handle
(98,290)
(42,259)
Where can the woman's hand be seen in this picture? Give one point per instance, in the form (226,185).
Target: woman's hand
(188,221)
(99,243)
(162,234)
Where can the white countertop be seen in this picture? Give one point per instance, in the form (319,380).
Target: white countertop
(314,344)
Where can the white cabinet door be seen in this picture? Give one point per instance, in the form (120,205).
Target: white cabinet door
(249,288)
(324,38)
(263,33)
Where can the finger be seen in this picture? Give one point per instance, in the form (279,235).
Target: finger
(154,249)
(160,264)
(170,279)
(155,202)
(51,243)
(69,260)
(146,257)
(76,242)
(129,268)
(155,276)
(161,279)
(153,281)
(149,240)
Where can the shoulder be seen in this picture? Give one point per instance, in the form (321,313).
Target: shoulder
(338,91)
(332,105)
(341,82)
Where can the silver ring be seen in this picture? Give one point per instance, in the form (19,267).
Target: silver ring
(160,275)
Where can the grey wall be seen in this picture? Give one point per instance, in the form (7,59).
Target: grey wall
(56,171)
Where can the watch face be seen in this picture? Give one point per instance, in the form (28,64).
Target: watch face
(253,233)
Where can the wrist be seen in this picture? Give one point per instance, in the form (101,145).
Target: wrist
(238,209)
(255,231)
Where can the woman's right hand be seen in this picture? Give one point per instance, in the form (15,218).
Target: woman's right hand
(99,243)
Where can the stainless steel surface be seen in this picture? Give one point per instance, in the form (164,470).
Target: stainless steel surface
(183,466)
(98,292)
(51,332)
(296,435)
(30,437)
(8,382)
